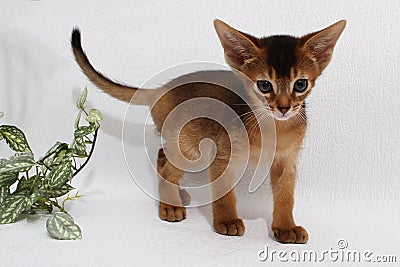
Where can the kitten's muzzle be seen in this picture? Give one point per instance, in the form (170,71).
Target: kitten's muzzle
(283,110)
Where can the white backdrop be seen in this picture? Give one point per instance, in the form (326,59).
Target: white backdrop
(348,180)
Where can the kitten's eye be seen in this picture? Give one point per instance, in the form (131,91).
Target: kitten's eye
(300,85)
(265,86)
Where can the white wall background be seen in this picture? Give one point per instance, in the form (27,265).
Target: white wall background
(349,172)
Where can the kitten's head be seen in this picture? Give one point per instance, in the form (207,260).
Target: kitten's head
(283,69)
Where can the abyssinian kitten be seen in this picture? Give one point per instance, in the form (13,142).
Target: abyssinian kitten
(282,71)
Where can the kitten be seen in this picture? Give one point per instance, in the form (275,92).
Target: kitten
(280,72)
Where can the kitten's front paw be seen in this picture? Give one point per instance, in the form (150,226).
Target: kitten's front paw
(233,227)
(296,234)
(171,213)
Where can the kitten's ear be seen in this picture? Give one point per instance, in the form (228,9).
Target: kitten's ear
(238,48)
(319,45)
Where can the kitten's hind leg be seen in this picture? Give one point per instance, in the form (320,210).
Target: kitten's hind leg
(171,208)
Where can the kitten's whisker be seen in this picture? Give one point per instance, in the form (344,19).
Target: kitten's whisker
(266,107)
(251,111)
(250,122)
(261,117)
(301,118)
(253,122)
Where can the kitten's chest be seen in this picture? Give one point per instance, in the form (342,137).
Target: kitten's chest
(289,139)
(286,142)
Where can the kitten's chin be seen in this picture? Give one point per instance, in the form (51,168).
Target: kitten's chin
(278,116)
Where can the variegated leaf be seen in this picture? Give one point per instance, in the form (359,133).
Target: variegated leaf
(85,130)
(61,156)
(94,116)
(32,199)
(62,226)
(4,194)
(8,178)
(15,205)
(19,163)
(15,138)
(27,185)
(78,119)
(82,98)
(11,208)
(53,151)
(79,147)
(60,191)
(60,174)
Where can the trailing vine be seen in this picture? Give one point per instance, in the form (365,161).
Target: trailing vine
(29,186)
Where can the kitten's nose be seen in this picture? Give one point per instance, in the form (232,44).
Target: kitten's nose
(283,109)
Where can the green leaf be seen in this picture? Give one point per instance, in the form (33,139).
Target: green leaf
(60,191)
(60,174)
(61,226)
(79,147)
(4,194)
(19,163)
(58,153)
(8,178)
(94,116)
(61,156)
(54,150)
(32,199)
(78,119)
(15,138)
(85,130)
(28,185)
(14,206)
(82,99)
(11,208)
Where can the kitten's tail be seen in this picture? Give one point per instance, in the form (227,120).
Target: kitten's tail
(119,91)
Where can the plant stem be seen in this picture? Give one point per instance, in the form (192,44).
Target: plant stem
(90,153)
(55,203)
(74,166)
(83,109)
(77,196)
